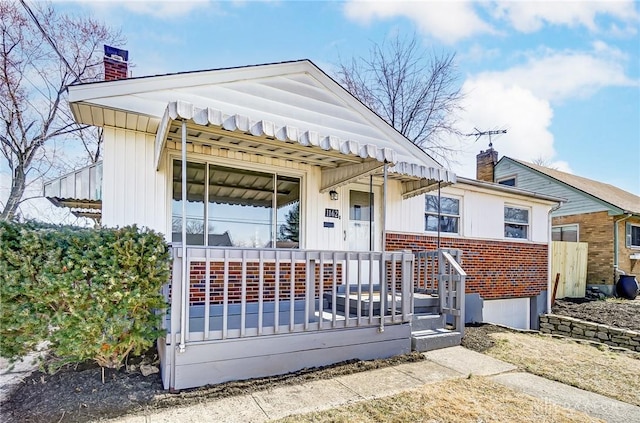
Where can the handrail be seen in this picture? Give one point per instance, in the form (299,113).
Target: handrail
(246,292)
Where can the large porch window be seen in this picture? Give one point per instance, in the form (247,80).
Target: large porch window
(243,208)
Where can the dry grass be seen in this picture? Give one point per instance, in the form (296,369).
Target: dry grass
(463,400)
(593,369)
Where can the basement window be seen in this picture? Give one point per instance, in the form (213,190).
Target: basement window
(516,222)
(633,235)
(449,214)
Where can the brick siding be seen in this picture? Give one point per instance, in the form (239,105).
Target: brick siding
(597,230)
(495,269)
(197,289)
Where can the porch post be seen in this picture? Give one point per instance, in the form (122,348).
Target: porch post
(185,262)
(384,207)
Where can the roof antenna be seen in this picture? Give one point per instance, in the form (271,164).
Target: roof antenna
(480,133)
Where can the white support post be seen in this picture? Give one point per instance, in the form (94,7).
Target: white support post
(185,262)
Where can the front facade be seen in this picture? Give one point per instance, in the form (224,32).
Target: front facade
(304,229)
(604,216)
(275,188)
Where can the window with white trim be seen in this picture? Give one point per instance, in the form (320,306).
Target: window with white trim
(568,233)
(233,207)
(633,235)
(516,222)
(449,214)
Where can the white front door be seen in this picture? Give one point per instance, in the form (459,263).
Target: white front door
(363,230)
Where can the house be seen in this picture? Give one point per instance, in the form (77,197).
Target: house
(296,221)
(604,216)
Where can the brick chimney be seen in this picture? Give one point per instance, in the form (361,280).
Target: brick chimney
(115,63)
(485,163)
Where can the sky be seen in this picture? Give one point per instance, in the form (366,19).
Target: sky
(563,77)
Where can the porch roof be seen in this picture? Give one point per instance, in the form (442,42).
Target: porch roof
(289,110)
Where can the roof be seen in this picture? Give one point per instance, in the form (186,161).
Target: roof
(510,190)
(287,102)
(616,197)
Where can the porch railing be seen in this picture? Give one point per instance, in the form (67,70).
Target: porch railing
(235,292)
(440,273)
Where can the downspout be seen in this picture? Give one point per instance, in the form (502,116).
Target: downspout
(185,270)
(549,258)
(615,246)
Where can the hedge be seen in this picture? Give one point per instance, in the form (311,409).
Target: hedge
(92,294)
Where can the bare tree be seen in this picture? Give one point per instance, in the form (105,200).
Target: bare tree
(544,162)
(34,78)
(414,90)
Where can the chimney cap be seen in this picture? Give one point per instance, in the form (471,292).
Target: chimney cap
(116,53)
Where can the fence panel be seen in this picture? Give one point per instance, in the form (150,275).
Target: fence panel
(569,259)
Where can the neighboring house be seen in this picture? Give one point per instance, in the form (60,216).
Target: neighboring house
(604,216)
(241,160)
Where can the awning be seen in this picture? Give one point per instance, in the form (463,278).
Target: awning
(79,190)
(325,150)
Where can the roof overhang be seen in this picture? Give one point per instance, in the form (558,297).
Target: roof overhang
(342,161)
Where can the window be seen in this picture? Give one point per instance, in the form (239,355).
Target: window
(449,214)
(565,233)
(243,208)
(516,222)
(633,235)
(509,181)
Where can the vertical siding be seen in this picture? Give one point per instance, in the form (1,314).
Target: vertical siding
(134,192)
(530,180)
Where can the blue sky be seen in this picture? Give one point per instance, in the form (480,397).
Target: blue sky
(562,76)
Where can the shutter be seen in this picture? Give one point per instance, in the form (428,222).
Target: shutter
(628,234)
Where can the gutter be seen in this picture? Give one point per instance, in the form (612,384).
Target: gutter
(549,258)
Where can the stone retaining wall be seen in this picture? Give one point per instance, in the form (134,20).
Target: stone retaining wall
(576,328)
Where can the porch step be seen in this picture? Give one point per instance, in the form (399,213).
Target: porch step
(427,321)
(434,339)
(425,304)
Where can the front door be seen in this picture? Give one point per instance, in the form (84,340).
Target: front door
(363,232)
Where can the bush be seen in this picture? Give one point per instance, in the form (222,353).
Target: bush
(92,294)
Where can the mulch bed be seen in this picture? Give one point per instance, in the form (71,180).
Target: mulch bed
(618,313)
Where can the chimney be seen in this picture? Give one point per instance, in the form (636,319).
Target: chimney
(485,163)
(115,63)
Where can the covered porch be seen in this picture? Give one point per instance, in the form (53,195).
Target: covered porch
(274,187)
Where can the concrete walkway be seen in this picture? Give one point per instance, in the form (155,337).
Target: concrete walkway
(448,363)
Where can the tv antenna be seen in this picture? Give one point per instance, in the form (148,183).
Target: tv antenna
(480,133)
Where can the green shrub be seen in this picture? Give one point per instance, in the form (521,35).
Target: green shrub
(92,294)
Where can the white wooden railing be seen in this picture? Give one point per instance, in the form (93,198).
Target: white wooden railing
(236,292)
(440,273)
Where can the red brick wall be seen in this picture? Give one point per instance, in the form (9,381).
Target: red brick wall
(198,286)
(495,269)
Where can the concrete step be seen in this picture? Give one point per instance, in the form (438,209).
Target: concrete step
(434,339)
(425,304)
(428,321)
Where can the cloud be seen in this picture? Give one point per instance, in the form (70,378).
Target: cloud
(557,76)
(161,9)
(446,21)
(490,104)
(531,16)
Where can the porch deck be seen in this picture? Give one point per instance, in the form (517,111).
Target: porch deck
(253,313)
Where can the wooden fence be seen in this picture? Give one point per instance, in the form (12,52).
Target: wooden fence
(569,259)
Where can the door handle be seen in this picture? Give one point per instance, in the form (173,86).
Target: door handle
(344,235)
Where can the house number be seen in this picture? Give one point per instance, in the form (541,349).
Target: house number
(333,213)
